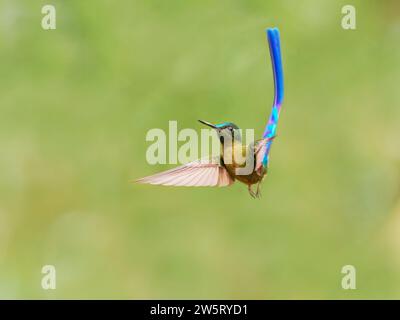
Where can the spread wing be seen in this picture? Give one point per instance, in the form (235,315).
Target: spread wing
(202,172)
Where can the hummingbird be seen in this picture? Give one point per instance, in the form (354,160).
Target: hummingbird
(234,159)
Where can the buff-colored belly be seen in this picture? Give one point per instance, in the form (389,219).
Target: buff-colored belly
(236,165)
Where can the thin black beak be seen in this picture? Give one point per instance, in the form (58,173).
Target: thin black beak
(208,124)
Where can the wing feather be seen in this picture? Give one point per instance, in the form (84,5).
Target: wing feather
(203,172)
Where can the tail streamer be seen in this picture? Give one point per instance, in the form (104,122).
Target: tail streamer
(277,70)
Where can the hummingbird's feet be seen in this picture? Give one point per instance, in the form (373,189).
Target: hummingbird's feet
(258,191)
(253,194)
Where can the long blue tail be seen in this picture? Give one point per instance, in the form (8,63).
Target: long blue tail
(277,70)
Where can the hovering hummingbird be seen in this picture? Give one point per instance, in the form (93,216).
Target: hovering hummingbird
(217,171)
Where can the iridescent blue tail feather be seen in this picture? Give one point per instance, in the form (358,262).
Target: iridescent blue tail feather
(277,70)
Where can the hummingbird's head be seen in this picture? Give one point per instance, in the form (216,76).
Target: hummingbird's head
(225,130)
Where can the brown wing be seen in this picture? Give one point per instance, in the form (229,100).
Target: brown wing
(202,172)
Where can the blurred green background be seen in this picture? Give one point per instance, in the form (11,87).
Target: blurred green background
(76,104)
